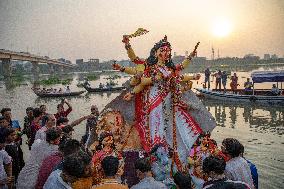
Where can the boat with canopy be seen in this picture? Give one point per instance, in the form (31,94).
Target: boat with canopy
(258,95)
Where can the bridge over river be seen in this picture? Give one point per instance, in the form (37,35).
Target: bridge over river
(6,56)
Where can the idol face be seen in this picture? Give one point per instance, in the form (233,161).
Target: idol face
(163,53)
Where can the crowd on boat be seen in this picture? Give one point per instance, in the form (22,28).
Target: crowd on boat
(59,161)
(52,90)
(221,81)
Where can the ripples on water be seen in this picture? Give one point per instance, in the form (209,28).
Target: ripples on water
(259,128)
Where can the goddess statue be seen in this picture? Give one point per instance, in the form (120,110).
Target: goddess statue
(160,114)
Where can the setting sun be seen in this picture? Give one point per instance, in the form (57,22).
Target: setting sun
(221,27)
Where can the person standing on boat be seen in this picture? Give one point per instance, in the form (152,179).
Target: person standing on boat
(67,89)
(218,76)
(234,84)
(248,87)
(274,91)
(207,77)
(224,80)
(101,86)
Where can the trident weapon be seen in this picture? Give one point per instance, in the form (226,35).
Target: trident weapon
(196,46)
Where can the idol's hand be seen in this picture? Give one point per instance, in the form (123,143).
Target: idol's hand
(128,96)
(116,66)
(192,54)
(197,76)
(125,39)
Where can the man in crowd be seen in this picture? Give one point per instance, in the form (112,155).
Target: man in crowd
(49,123)
(40,150)
(6,113)
(14,151)
(28,122)
(3,122)
(6,178)
(60,109)
(35,126)
(50,162)
(143,171)
(77,170)
(110,166)
(214,168)
(237,168)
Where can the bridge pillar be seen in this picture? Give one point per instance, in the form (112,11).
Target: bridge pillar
(51,69)
(6,67)
(35,68)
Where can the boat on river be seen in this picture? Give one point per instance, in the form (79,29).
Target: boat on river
(258,95)
(104,89)
(40,94)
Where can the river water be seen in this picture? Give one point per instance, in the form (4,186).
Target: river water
(259,128)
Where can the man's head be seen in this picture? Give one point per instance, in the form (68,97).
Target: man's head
(69,146)
(60,108)
(50,120)
(94,110)
(231,147)
(67,132)
(247,79)
(274,86)
(213,166)
(53,135)
(9,135)
(182,181)
(142,167)
(6,113)
(43,108)
(78,165)
(3,122)
(29,111)
(37,113)
(110,166)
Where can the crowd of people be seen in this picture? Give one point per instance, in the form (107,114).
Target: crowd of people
(48,136)
(221,80)
(58,161)
(52,90)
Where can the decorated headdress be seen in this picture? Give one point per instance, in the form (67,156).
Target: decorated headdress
(162,42)
(151,60)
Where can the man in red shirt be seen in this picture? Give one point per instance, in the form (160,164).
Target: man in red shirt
(60,109)
(50,162)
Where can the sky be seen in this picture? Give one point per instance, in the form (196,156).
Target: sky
(75,29)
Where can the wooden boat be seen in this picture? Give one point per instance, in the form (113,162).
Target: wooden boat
(258,96)
(58,94)
(90,89)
